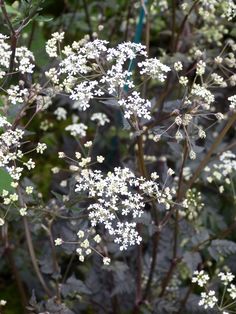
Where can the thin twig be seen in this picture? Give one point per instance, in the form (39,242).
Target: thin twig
(31,247)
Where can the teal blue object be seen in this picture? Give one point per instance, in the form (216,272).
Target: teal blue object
(137,38)
(139,27)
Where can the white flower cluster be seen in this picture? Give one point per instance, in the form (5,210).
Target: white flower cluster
(135,105)
(10,144)
(200,277)
(226,7)
(5,55)
(229,9)
(222,171)
(119,193)
(154,68)
(203,96)
(192,204)
(208,298)
(100,118)
(86,244)
(84,92)
(90,70)
(232,100)
(17,95)
(226,278)
(77,129)
(51,45)
(23,58)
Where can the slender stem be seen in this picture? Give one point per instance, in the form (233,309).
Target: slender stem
(143,172)
(176,226)
(55,263)
(182,192)
(176,231)
(173,26)
(207,157)
(201,166)
(183,24)
(31,247)
(33,257)
(156,239)
(68,267)
(184,301)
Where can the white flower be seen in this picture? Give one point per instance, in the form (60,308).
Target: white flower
(58,241)
(201,67)
(80,234)
(53,75)
(135,105)
(29,190)
(2,221)
(88,251)
(51,45)
(101,118)
(229,10)
(201,133)
(154,176)
(63,183)
(60,113)
(85,161)
(218,60)
(81,258)
(41,148)
(77,129)
(183,80)
(232,100)
(30,164)
(3,122)
(208,300)
(23,211)
(83,93)
(23,60)
(154,68)
(178,66)
(3,302)
(100,159)
(106,260)
(192,154)
(226,278)
(205,97)
(61,155)
(170,172)
(200,277)
(114,195)
(88,144)
(78,155)
(232,291)
(97,238)
(17,95)
(85,244)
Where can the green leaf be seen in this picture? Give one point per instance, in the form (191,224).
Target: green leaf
(220,248)
(5,181)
